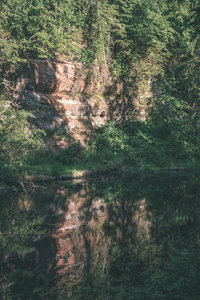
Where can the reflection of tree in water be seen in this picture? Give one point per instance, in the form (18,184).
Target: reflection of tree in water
(152,229)
(113,239)
(19,227)
(164,258)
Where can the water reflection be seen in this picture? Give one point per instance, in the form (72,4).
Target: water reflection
(117,238)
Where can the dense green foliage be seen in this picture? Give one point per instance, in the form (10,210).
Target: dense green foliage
(36,28)
(17,139)
(135,38)
(168,138)
(137,41)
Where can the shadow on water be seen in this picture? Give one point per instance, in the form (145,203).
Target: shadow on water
(119,238)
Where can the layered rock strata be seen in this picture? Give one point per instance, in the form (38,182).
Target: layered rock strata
(69,101)
(61,97)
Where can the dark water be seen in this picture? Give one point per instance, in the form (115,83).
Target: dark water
(113,238)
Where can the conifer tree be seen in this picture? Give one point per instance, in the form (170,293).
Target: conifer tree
(36,28)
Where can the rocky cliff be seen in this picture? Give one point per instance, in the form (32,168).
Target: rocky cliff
(67,99)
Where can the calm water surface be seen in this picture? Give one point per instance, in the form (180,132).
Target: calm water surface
(135,237)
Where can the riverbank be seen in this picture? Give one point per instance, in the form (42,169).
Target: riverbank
(34,177)
(45,171)
(80,169)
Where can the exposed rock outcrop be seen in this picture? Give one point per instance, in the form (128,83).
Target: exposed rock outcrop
(69,101)
(61,97)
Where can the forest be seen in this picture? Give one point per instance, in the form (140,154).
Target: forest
(131,229)
(135,41)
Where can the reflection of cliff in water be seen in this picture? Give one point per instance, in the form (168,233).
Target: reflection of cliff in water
(116,239)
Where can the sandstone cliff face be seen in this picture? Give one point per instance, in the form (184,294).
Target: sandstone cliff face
(69,101)
(62,98)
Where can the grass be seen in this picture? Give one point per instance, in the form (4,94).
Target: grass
(103,160)
(137,147)
(54,167)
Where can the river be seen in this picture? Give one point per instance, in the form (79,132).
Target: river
(129,237)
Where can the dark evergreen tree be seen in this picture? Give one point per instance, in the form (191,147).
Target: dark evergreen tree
(37,28)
